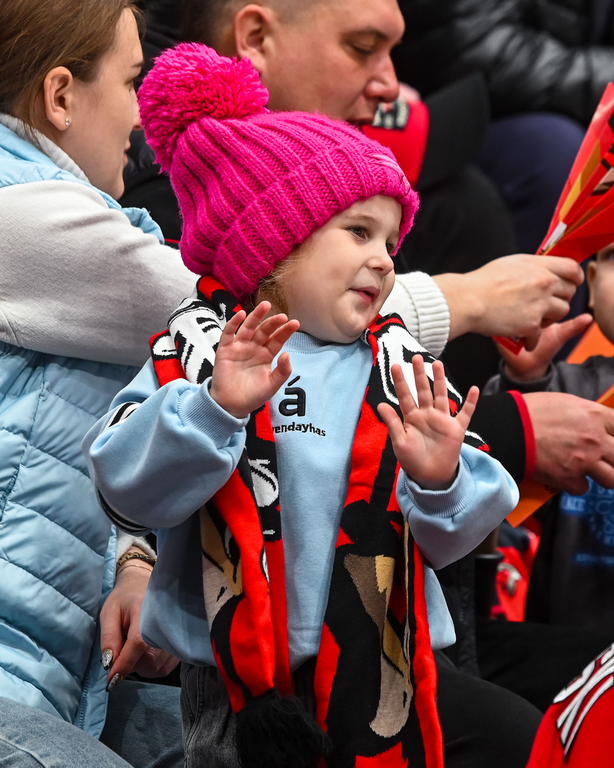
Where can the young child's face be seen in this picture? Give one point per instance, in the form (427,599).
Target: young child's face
(344,271)
(601,287)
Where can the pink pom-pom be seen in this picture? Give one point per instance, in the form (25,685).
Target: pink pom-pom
(190,82)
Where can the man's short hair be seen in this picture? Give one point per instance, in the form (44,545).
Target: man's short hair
(201,20)
(204,21)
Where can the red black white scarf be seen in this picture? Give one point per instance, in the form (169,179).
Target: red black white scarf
(375,679)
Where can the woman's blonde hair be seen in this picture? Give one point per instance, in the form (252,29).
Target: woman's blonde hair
(38,35)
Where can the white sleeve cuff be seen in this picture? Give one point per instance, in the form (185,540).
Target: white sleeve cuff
(127,540)
(417,298)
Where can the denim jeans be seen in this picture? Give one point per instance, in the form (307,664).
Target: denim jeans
(208,720)
(144,726)
(483,725)
(30,738)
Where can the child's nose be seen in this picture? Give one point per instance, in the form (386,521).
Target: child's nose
(382,262)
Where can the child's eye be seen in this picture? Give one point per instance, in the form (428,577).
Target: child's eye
(360,232)
(390,248)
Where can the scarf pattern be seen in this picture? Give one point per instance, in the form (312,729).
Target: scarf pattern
(375,678)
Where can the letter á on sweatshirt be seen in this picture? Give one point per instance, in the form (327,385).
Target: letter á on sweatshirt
(296,401)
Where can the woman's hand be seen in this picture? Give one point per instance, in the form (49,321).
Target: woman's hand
(119,623)
(427,442)
(532,366)
(242,377)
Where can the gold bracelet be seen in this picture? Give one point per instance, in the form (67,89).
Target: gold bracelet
(134,565)
(131,555)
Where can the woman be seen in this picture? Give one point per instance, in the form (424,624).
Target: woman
(67,71)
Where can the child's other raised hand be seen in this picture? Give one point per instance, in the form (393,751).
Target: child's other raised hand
(242,378)
(532,366)
(427,442)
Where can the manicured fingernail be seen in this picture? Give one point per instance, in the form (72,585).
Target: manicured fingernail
(107,658)
(114,682)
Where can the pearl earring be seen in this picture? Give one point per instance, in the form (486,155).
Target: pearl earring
(67,122)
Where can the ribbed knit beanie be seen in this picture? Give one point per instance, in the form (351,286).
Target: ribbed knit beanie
(252,184)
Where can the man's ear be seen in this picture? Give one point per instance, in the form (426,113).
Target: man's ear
(590,280)
(58,96)
(253,29)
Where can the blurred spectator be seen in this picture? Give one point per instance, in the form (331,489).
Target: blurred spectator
(552,55)
(453,199)
(574,577)
(546,65)
(569,607)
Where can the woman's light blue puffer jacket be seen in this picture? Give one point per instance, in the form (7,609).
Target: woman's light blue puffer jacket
(57,548)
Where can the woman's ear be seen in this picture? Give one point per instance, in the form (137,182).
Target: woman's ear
(590,280)
(253,27)
(58,97)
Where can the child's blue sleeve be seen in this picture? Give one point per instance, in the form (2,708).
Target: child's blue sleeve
(449,524)
(161,452)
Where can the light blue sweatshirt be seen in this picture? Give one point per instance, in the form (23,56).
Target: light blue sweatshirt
(179,447)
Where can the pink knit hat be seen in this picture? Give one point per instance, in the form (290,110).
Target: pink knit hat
(252,184)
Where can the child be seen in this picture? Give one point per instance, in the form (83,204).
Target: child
(573,574)
(296,216)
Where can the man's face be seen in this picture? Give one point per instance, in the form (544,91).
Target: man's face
(335,59)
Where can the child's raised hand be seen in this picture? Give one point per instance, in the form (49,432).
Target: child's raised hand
(531,366)
(242,378)
(427,442)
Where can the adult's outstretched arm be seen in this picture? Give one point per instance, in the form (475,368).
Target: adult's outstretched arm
(511,296)
(78,279)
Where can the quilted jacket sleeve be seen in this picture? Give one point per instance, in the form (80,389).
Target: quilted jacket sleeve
(535,55)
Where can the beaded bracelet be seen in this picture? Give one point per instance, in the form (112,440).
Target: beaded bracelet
(134,556)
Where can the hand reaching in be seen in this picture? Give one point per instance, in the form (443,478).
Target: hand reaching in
(574,438)
(531,366)
(427,442)
(511,296)
(242,377)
